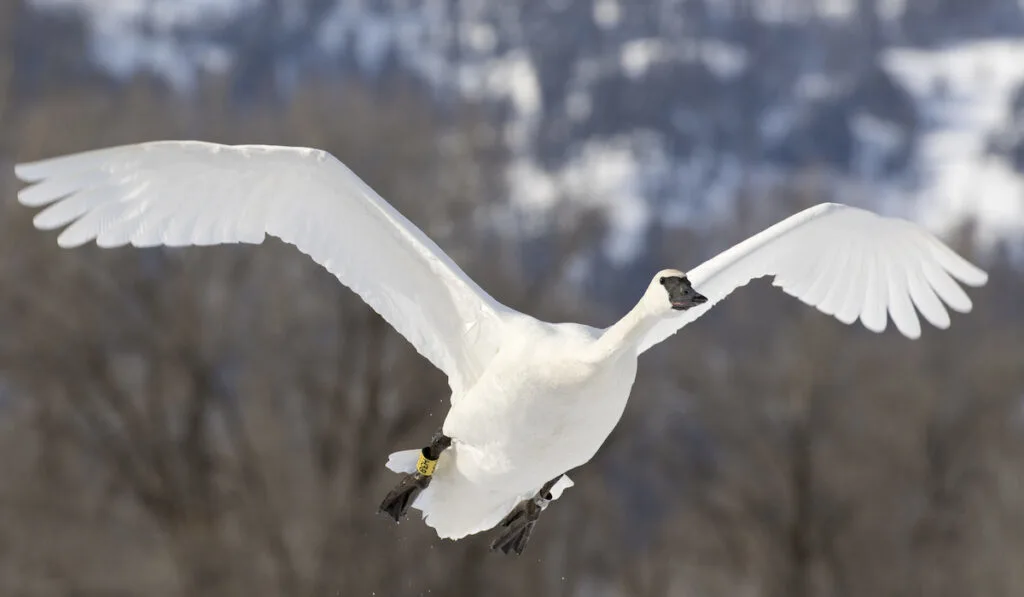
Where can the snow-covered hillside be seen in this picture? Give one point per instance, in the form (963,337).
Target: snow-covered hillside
(131,35)
(966,95)
(640,117)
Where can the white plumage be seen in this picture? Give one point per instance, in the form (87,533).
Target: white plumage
(530,400)
(847,262)
(178,193)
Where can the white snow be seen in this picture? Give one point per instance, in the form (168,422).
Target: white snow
(514,76)
(161,14)
(877,140)
(372,35)
(127,52)
(480,36)
(723,59)
(607,13)
(637,55)
(788,11)
(119,43)
(608,176)
(965,92)
(511,77)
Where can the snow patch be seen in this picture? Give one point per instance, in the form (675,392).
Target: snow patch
(509,77)
(723,59)
(606,176)
(637,55)
(160,14)
(965,93)
(877,140)
(607,13)
(481,37)
(127,36)
(514,76)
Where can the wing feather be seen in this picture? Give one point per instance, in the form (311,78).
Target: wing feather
(178,193)
(841,267)
(957,266)
(925,299)
(947,289)
(873,317)
(847,262)
(901,311)
(853,295)
(826,275)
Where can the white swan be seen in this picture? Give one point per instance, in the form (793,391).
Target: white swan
(530,399)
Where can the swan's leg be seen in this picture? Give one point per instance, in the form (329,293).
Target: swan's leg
(397,502)
(520,521)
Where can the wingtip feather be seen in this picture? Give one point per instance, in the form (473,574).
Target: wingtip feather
(74,236)
(911,331)
(979,279)
(875,325)
(28,171)
(39,194)
(966,272)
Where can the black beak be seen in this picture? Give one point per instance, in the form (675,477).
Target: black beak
(681,294)
(686,303)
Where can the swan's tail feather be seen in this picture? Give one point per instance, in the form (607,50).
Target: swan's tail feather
(403,462)
(454,506)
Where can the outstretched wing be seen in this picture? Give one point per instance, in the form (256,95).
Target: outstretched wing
(178,193)
(848,263)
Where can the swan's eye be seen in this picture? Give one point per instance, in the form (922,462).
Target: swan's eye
(661,281)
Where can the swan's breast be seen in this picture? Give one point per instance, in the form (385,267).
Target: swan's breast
(543,400)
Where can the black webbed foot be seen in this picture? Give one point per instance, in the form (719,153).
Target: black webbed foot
(514,539)
(519,523)
(397,502)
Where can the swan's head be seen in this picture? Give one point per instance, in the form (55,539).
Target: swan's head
(670,290)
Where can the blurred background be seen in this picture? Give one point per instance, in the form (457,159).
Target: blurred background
(214,422)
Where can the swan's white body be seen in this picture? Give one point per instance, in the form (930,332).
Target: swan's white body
(530,400)
(544,406)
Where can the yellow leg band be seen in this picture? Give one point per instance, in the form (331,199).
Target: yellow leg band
(425,466)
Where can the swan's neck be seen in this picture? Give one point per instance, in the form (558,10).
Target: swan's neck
(627,333)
